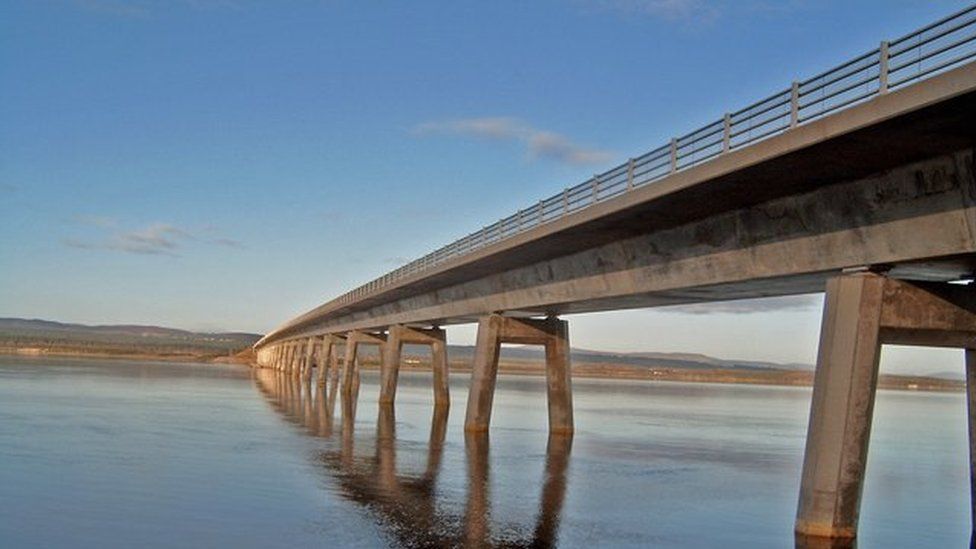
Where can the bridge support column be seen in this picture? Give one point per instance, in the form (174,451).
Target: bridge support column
(309,357)
(862,311)
(296,365)
(494,330)
(971,412)
(327,358)
(436,338)
(350,371)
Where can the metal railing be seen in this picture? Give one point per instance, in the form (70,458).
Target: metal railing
(934,48)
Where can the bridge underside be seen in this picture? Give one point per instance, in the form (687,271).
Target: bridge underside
(888,184)
(914,222)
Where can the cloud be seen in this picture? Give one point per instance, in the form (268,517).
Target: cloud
(95,221)
(144,8)
(154,239)
(670,10)
(805,302)
(538,143)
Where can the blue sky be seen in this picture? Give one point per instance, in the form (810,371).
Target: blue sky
(229,164)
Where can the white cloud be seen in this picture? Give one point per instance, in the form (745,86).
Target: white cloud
(538,143)
(154,239)
(671,10)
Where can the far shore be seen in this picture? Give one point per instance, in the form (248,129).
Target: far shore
(788,378)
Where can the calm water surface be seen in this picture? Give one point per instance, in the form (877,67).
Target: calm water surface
(140,454)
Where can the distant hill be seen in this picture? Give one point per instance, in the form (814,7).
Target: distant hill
(45,336)
(644,359)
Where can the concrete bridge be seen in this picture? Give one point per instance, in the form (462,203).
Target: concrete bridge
(859,182)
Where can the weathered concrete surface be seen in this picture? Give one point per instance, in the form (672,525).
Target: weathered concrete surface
(971,412)
(843,401)
(863,311)
(711,211)
(493,330)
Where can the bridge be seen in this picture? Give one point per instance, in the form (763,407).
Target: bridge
(859,182)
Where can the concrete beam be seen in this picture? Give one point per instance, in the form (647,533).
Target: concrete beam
(493,330)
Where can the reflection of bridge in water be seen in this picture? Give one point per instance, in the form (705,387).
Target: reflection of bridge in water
(407,502)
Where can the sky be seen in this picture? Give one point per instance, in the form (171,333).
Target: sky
(229,164)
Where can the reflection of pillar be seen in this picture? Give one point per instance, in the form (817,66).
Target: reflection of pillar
(862,311)
(552,333)
(477,519)
(323,412)
(553,490)
(386,450)
(435,445)
(348,430)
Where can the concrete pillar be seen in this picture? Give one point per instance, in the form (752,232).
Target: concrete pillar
(438,357)
(349,371)
(559,386)
(484,374)
(390,365)
(553,334)
(310,347)
(325,359)
(842,406)
(971,412)
(296,363)
(397,336)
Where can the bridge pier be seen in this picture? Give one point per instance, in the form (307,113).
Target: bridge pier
(861,312)
(494,330)
(397,336)
(327,358)
(309,357)
(350,370)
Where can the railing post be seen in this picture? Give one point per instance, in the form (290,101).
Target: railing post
(794,104)
(630,174)
(596,188)
(674,154)
(565,201)
(518,221)
(727,132)
(883,68)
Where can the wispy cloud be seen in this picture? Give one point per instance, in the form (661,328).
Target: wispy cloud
(670,10)
(153,239)
(747,306)
(100,221)
(145,8)
(538,143)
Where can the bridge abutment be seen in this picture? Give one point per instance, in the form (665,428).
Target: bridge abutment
(862,311)
(494,330)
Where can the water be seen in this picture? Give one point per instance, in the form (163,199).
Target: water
(140,454)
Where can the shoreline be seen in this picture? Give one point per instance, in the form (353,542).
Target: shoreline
(771,377)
